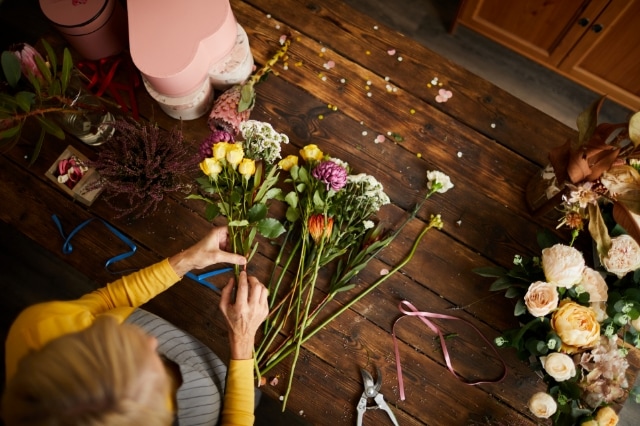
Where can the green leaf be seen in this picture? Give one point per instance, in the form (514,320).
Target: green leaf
(292,199)
(257,212)
(11,132)
(25,100)
(211,212)
(38,147)
(520,308)
(247,97)
(43,68)
(67,66)
(501,284)
(512,292)
(490,271)
(51,55)
(50,127)
(10,68)
(318,202)
(270,228)
(546,238)
(344,288)
(292,214)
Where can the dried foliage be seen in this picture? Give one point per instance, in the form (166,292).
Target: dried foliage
(141,164)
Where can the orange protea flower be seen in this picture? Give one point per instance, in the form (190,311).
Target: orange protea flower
(319,228)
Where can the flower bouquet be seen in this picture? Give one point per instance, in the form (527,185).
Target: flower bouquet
(239,181)
(597,170)
(577,324)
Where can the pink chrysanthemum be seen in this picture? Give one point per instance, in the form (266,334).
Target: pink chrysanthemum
(331,174)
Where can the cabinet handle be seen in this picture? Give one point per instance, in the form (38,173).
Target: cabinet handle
(597,28)
(583,22)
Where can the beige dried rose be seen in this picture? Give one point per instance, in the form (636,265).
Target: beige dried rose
(593,283)
(576,325)
(623,256)
(541,298)
(562,265)
(600,308)
(559,366)
(542,405)
(606,416)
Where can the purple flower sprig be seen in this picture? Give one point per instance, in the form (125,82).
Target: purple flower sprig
(331,174)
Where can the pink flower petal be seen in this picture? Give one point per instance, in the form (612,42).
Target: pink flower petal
(391,52)
(441,99)
(330,64)
(380,138)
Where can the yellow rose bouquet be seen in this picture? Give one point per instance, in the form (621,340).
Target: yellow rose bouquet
(577,325)
(240,180)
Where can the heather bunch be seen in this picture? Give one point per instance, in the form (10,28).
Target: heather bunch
(140,165)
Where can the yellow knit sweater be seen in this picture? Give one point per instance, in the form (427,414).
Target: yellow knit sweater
(43,322)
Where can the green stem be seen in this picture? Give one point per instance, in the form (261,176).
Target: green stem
(286,351)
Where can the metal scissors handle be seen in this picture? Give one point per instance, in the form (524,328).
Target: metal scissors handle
(372,390)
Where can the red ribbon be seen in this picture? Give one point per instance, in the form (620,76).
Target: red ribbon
(423,317)
(101,74)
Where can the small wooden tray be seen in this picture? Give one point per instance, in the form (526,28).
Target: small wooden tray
(75,189)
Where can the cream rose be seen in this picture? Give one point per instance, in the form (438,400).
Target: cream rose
(623,256)
(542,405)
(562,265)
(559,366)
(594,284)
(606,417)
(600,308)
(576,325)
(541,298)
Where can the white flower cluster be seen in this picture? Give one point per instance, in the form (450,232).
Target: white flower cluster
(261,141)
(369,191)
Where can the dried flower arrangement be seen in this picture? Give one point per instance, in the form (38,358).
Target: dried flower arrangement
(142,163)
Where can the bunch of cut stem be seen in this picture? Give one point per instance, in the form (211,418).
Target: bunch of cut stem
(296,304)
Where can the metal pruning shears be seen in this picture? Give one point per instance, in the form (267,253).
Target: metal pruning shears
(371,390)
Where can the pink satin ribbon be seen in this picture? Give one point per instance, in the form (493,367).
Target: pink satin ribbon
(423,316)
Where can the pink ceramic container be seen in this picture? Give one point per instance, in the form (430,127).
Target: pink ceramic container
(174,43)
(96,29)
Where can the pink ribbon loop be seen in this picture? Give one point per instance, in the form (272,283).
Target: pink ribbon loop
(412,311)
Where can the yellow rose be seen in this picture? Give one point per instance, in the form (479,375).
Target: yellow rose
(235,154)
(542,405)
(247,167)
(220,150)
(288,162)
(606,417)
(211,167)
(589,423)
(311,152)
(576,325)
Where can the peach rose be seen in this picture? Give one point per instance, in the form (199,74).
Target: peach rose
(541,298)
(559,366)
(623,256)
(542,405)
(562,265)
(576,325)
(606,417)
(594,284)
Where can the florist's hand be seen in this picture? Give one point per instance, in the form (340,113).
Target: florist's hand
(245,315)
(210,250)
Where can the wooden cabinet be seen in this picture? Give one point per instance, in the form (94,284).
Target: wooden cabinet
(593,42)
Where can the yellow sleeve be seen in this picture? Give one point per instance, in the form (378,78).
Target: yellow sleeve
(43,322)
(239,394)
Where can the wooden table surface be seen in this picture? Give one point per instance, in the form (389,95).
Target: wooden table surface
(486,140)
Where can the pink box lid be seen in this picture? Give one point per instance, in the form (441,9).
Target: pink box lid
(77,17)
(173,44)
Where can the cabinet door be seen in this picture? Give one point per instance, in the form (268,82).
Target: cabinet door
(543,30)
(607,58)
